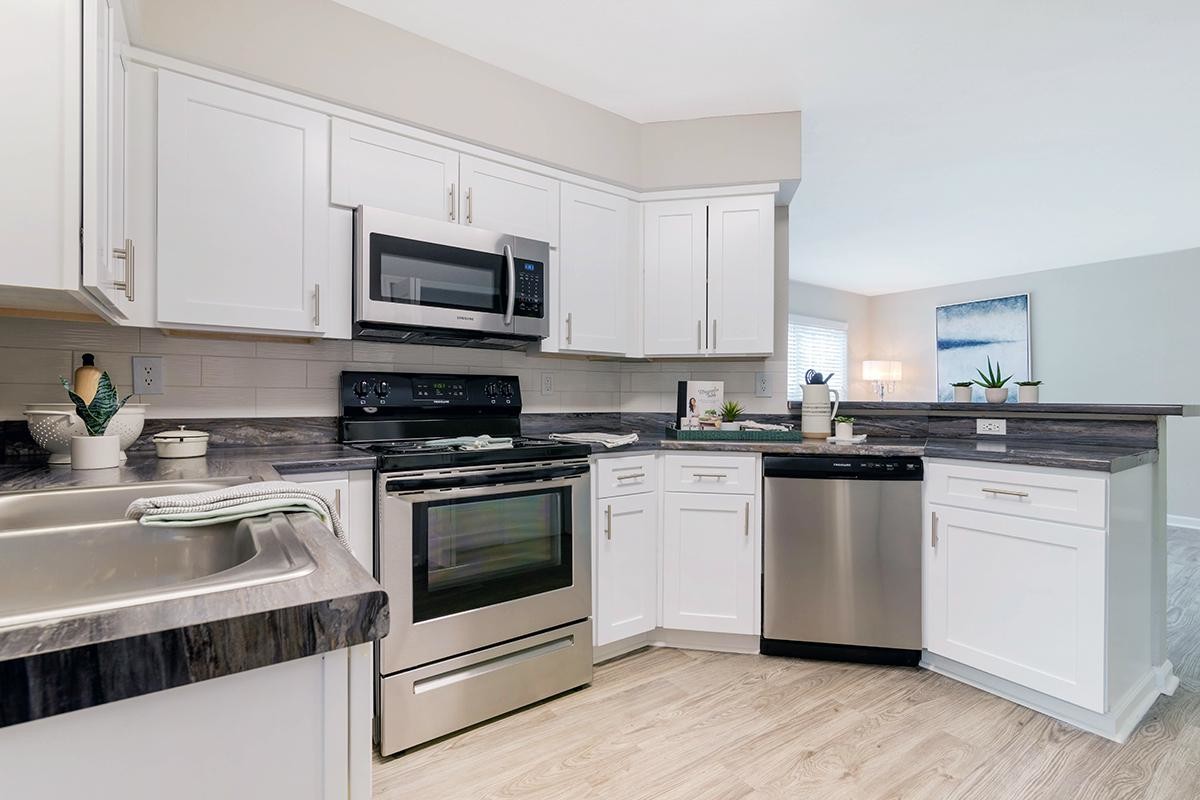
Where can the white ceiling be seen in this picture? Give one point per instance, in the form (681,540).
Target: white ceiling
(943,141)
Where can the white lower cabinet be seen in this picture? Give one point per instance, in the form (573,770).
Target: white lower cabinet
(709,576)
(626,584)
(1019,599)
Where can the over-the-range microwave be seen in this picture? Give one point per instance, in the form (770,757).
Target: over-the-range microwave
(424,281)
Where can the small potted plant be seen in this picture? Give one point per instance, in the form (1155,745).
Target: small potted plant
(98,449)
(994,383)
(962,391)
(843,427)
(730,411)
(1027,391)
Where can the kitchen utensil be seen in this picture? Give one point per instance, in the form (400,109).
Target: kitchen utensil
(181,443)
(53,424)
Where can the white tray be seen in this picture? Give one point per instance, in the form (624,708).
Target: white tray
(851,440)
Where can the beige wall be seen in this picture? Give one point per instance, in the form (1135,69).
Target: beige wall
(324,49)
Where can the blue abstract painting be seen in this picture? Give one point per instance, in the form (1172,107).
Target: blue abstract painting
(969,333)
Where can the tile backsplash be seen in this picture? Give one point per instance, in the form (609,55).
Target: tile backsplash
(228,378)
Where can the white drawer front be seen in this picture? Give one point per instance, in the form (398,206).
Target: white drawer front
(1053,496)
(700,472)
(617,476)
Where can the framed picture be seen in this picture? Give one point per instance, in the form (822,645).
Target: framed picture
(970,333)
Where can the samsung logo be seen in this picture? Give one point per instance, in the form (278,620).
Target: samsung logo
(465,319)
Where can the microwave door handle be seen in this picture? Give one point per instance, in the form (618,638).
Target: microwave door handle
(512,285)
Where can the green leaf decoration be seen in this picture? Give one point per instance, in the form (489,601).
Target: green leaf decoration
(104,406)
(731,410)
(993,379)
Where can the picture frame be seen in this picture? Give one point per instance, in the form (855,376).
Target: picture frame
(975,330)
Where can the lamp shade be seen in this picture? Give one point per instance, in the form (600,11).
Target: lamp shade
(884,371)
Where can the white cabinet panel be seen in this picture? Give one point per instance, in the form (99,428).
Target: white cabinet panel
(711,474)
(243,221)
(1020,599)
(1076,499)
(376,168)
(675,281)
(709,565)
(509,200)
(741,275)
(626,567)
(621,475)
(596,258)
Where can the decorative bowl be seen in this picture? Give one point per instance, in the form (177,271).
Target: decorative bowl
(53,424)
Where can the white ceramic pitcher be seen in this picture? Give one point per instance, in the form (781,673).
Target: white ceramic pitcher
(815,410)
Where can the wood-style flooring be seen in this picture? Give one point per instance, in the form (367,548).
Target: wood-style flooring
(686,725)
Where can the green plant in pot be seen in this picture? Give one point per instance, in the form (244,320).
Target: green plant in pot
(1028,392)
(843,427)
(994,383)
(730,411)
(99,449)
(962,391)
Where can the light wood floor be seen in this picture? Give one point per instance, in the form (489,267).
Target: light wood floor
(686,725)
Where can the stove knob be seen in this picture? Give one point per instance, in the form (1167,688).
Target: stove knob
(490,390)
(507,389)
(362,388)
(382,389)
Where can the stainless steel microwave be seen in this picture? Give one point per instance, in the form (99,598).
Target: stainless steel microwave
(424,281)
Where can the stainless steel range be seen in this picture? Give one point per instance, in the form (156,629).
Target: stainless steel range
(483,545)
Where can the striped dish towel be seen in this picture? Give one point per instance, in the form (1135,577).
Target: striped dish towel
(607,439)
(234,503)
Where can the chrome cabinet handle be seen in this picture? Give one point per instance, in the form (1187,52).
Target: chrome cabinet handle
(608,522)
(933,534)
(125,254)
(717,475)
(453,212)
(512,284)
(1006,492)
(470,207)
(747,518)
(316,305)
(699,334)
(337,501)
(713,345)
(635,477)
(568,328)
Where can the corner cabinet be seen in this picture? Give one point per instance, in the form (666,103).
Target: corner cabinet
(626,548)
(709,269)
(243,210)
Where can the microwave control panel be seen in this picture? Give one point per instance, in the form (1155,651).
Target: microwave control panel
(531,289)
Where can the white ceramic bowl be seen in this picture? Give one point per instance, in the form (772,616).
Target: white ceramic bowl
(53,424)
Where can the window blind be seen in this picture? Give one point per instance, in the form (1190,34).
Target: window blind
(818,344)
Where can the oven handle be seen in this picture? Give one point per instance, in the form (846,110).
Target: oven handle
(419,484)
(512,285)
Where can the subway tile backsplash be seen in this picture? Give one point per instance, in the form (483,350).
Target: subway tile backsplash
(234,378)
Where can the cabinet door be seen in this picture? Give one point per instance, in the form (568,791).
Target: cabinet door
(626,567)
(376,168)
(741,275)
(595,264)
(1020,599)
(709,581)
(676,317)
(243,221)
(508,200)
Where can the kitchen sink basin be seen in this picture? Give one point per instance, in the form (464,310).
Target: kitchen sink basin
(66,552)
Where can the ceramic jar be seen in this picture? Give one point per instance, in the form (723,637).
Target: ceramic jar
(95,452)
(962,394)
(1028,394)
(816,410)
(996,395)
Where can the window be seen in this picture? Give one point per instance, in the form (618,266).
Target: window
(818,344)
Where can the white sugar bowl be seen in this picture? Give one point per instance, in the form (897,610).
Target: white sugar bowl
(181,443)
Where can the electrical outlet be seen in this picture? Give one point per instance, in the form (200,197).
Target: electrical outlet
(547,383)
(148,375)
(991,427)
(762,384)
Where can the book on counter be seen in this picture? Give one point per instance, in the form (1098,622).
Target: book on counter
(697,398)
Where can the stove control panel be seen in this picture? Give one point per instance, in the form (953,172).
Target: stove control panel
(396,394)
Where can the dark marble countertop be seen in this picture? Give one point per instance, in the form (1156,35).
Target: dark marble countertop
(1014,409)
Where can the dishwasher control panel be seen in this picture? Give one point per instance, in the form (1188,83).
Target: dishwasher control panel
(850,468)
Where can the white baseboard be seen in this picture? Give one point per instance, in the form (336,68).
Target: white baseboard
(1180,521)
(682,640)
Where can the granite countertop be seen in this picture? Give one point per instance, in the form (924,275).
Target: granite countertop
(55,666)
(1016,409)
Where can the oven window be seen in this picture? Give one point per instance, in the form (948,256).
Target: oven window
(425,274)
(476,552)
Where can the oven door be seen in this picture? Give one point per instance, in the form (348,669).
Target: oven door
(474,557)
(414,272)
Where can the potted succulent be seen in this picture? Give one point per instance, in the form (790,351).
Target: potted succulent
(1027,391)
(994,383)
(962,391)
(98,449)
(730,411)
(843,427)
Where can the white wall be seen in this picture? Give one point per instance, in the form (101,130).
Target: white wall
(1122,331)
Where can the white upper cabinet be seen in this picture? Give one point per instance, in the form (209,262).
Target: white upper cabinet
(675,293)
(243,210)
(509,200)
(741,275)
(596,262)
(371,167)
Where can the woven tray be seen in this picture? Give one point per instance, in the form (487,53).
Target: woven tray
(734,436)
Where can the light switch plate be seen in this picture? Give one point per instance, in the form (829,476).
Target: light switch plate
(148,375)
(762,384)
(991,427)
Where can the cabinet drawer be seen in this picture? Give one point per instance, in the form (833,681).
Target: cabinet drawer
(710,474)
(625,475)
(1052,496)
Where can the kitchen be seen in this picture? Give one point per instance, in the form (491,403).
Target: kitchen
(680,248)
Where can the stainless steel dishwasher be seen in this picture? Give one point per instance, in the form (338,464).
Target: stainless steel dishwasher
(842,558)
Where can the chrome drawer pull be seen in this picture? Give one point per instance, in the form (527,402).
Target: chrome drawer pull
(1007,492)
(608,522)
(717,475)
(635,477)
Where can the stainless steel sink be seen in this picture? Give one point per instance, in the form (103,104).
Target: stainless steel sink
(66,552)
